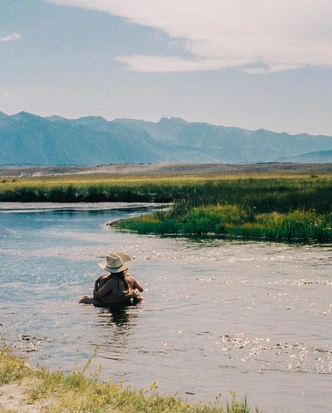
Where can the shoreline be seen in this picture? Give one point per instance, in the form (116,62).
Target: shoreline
(26,389)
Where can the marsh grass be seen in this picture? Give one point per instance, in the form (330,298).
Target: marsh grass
(296,210)
(234,221)
(74,392)
(261,195)
(273,208)
(99,191)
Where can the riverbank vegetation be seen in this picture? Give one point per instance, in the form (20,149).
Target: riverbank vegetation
(55,392)
(276,208)
(296,210)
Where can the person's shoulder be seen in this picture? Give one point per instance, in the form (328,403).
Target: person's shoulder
(130,278)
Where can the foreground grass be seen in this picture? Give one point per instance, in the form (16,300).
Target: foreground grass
(75,392)
(278,208)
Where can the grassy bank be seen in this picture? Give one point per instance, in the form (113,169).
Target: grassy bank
(266,209)
(55,392)
(278,208)
(234,222)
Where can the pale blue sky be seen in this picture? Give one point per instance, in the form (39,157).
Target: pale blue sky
(246,63)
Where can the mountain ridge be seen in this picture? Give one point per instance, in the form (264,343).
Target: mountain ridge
(28,139)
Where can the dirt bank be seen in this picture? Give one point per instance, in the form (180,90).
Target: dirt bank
(167,169)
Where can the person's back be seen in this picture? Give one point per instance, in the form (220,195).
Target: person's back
(115,288)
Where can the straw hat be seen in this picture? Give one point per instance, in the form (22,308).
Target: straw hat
(116,262)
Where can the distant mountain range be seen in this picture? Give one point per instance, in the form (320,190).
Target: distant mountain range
(27,139)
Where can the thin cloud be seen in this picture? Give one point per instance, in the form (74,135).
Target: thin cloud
(142,63)
(257,35)
(10,37)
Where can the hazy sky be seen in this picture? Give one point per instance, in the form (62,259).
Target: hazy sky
(246,63)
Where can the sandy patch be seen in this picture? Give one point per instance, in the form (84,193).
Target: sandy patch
(14,397)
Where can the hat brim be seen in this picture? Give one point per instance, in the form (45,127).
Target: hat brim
(126,262)
(114,270)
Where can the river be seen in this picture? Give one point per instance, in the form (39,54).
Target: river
(219,316)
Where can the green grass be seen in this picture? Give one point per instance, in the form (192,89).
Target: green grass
(74,392)
(233,221)
(270,209)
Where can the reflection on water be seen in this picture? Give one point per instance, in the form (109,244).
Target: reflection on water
(115,336)
(251,317)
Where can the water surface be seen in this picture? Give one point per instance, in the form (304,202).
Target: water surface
(218,316)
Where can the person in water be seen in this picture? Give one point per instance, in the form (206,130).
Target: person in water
(117,287)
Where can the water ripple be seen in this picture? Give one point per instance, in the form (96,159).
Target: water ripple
(245,316)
